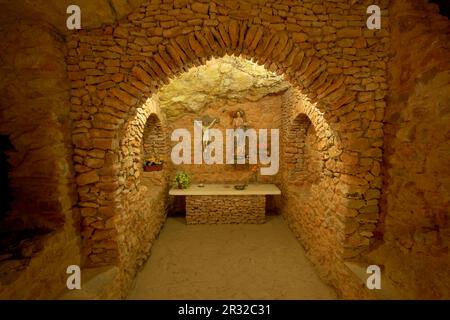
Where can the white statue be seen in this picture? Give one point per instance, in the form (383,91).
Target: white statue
(206,138)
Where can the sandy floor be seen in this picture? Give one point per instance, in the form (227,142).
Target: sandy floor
(228,262)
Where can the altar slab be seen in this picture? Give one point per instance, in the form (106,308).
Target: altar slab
(226,190)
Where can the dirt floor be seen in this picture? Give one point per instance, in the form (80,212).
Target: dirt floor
(228,262)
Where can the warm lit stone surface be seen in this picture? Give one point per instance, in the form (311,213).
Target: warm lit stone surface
(416,210)
(141,201)
(262,114)
(362,105)
(225,190)
(45,267)
(339,68)
(198,269)
(94,13)
(98,283)
(35,107)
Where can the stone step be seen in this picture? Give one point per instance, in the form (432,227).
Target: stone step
(96,284)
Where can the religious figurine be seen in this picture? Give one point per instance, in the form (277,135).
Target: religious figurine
(207,124)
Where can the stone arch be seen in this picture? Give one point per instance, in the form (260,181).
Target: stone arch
(276,51)
(114,70)
(154,139)
(305,117)
(144,134)
(310,199)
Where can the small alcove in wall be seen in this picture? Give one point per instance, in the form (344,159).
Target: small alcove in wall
(5,192)
(21,235)
(155,159)
(303,155)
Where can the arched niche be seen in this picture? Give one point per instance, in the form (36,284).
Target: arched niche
(304,154)
(141,204)
(153,140)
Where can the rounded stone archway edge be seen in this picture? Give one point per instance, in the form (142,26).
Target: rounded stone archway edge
(325,52)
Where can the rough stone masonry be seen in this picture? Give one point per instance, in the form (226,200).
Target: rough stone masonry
(225,209)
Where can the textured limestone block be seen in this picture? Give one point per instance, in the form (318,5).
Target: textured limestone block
(225,209)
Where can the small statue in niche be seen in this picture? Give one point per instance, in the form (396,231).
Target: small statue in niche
(239,122)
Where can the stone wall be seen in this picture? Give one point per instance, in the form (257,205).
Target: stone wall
(323,48)
(154,140)
(333,219)
(40,273)
(53,12)
(225,209)
(314,209)
(143,198)
(302,152)
(125,239)
(220,81)
(40,232)
(416,197)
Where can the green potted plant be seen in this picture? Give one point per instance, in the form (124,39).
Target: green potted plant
(182,180)
(153,164)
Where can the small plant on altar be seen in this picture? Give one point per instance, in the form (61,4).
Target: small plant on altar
(182,180)
(153,164)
